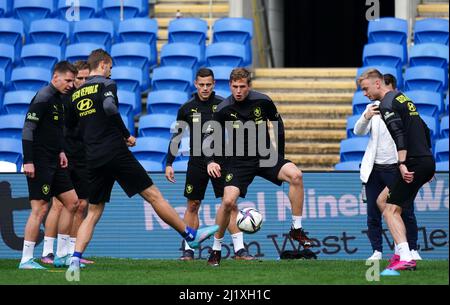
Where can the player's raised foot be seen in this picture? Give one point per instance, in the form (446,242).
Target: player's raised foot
(188,255)
(62,261)
(214,258)
(48,259)
(86,261)
(404,265)
(202,234)
(415,255)
(393,260)
(31,264)
(242,254)
(300,236)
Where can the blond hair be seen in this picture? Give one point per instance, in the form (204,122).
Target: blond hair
(370,74)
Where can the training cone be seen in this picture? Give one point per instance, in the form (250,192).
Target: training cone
(389,272)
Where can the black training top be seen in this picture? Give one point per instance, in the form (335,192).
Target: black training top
(42,134)
(74,147)
(405,125)
(95,107)
(193,114)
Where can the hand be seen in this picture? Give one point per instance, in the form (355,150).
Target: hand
(371,111)
(63,162)
(214,170)
(407,176)
(28,170)
(170,174)
(131,141)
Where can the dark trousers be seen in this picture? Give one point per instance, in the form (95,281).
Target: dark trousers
(378,180)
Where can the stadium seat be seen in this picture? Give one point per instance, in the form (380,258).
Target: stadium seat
(444,131)
(222,78)
(11,151)
(180,165)
(433,30)
(383,54)
(3,8)
(190,30)
(156,125)
(384,70)
(17,102)
(351,121)
(2,78)
(359,102)
(353,149)
(166,101)
(81,51)
(151,166)
(441,150)
(427,102)
(96,30)
(11,32)
(126,121)
(446,103)
(29,11)
(127,106)
(42,55)
(429,54)
(11,126)
(237,30)
(442,166)
(172,78)
(150,148)
(53,31)
(425,78)
(112,10)
(225,54)
(182,54)
(87,9)
(30,78)
(223,93)
(7,58)
(8,167)
(129,79)
(348,166)
(432,125)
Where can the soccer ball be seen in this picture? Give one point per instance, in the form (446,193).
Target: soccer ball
(249,220)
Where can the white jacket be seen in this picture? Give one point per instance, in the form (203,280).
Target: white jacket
(380,140)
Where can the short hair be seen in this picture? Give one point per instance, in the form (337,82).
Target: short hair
(63,67)
(204,72)
(370,73)
(96,57)
(240,73)
(81,65)
(390,79)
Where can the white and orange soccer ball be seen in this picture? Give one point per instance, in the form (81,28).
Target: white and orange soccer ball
(249,220)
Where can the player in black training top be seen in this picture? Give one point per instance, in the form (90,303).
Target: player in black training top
(415,160)
(194,114)
(106,140)
(245,115)
(45,163)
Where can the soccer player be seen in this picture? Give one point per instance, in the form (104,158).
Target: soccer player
(106,138)
(415,160)
(45,163)
(378,170)
(197,111)
(246,106)
(78,174)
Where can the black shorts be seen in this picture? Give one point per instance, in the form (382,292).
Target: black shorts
(197,179)
(78,173)
(49,180)
(241,172)
(123,168)
(402,193)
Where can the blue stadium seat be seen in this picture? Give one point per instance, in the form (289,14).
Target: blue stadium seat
(87,9)
(3,8)
(383,54)
(2,78)
(187,55)
(431,30)
(129,79)
(151,166)
(348,166)
(225,54)
(30,78)
(42,55)
(432,125)
(442,166)
(353,149)
(127,106)
(351,121)
(180,165)
(150,148)
(11,32)
(191,30)
(429,54)
(237,30)
(359,102)
(384,70)
(81,51)
(17,102)
(223,93)
(131,8)
(166,101)
(441,150)
(133,54)
(126,121)
(54,31)
(96,30)
(444,131)
(427,102)
(172,78)
(446,103)
(156,125)
(11,151)
(7,58)
(140,30)
(11,126)
(425,78)
(222,78)
(29,11)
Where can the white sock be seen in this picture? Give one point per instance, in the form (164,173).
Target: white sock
(296,222)
(186,247)
(405,253)
(48,245)
(217,246)
(396,250)
(238,241)
(62,246)
(28,250)
(73,241)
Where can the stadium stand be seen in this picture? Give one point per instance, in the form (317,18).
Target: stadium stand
(42,55)
(53,31)
(434,30)
(425,78)
(11,151)
(81,51)
(11,126)
(156,125)
(87,9)
(444,130)
(30,78)
(182,54)
(383,54)
(17,102)
(150,148)
(12,33)
(353,149)
(427,102)
(172,78)
(95,30)
(441,150)
(166,101)
(27,11)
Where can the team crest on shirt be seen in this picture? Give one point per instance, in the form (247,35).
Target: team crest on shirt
(411,107)
(257,112)
(229,177)
(189,188)
(45,189)
(214,108)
